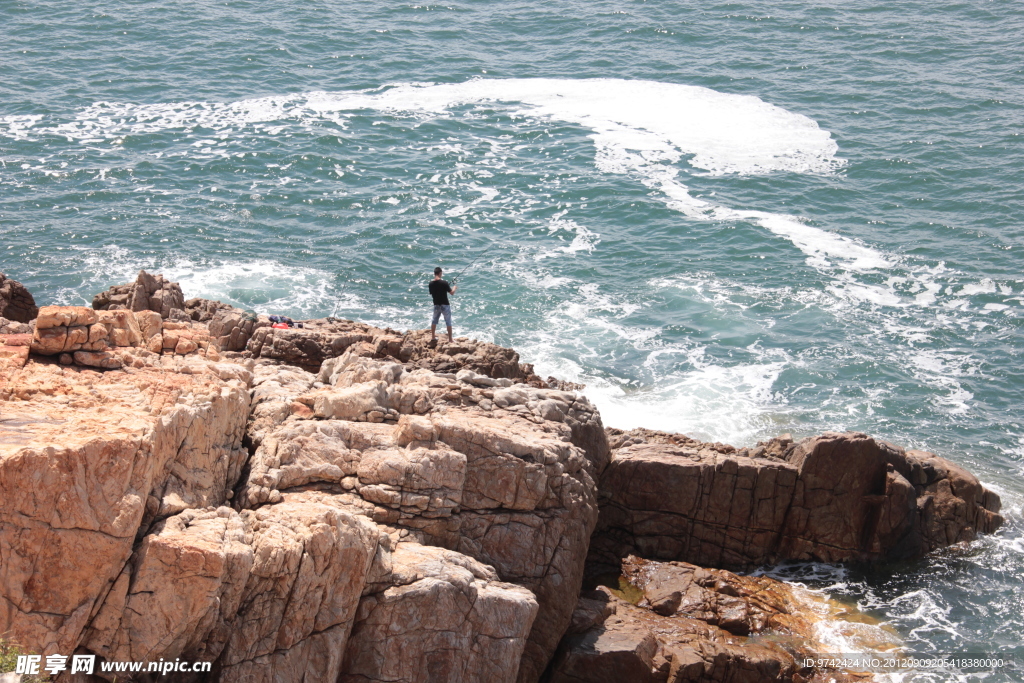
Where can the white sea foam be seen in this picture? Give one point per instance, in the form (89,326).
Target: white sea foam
(263,285)
(725,133)
(642,127)
(729,403)
(583,239)
(639,127)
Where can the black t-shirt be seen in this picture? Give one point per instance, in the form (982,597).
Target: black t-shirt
(439,291)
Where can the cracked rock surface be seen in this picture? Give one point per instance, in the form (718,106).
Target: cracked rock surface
(345,502)
(382,512)
(830,498)
(415,451)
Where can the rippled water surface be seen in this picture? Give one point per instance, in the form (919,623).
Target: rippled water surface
(730,220)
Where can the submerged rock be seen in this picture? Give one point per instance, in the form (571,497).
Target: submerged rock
(679,622)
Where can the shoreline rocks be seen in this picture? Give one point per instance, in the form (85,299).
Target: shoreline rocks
(677,622)
(831,498)
(345,502)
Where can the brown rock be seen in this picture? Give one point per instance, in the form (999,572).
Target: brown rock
(307,348)
(232,328)
(11,327)
(693,624)
(93,359)
(830,498)
(204,310)
(16,303)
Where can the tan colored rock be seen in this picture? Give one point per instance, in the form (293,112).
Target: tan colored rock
(311,562)
(88,458)
(183,584)
(185,346)
(87,333)
(64,316)
(442,617)
(12,359)
(271,594)
(393,522)
(352,402)
(275,388)
(122,327)
(93,359)
(150,324)
(507,488)
(830,498)
(305,452)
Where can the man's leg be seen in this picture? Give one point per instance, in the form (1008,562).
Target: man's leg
(433,322)
(447,311)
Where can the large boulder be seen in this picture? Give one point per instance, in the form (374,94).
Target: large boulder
(232,328)
(830,498)
(489,472)
(88,461)
(147,293)
(16,302)
(429,604)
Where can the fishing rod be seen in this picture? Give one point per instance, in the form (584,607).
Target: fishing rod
(469,267)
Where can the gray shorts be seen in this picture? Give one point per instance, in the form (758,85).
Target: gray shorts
(446,311)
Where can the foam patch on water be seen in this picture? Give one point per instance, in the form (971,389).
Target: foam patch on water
(583,239)
(725,133)
(639,127)
(643,127)
(728,403)
(264,286)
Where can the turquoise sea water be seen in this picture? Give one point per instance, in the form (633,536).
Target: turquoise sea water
(729,220)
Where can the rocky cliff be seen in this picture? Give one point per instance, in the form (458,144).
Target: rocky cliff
(341,502)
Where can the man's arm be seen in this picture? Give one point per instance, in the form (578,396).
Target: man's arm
(451,290)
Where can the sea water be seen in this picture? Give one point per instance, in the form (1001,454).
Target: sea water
(730,220)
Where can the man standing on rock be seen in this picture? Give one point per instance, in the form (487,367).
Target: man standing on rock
(439,290)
